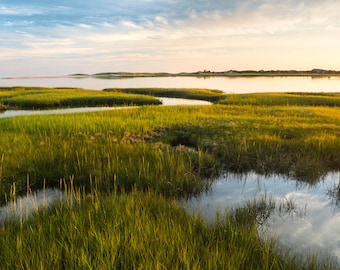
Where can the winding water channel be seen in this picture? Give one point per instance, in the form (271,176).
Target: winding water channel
(313,222)
(165,102)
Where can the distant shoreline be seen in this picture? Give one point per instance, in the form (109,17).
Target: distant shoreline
(204,73)
(208,73)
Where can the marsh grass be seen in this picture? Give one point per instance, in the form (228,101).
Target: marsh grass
(98,146)
(283,99)
(162,169)
(260,211)
(47,98)
(124,167)
(187,93)
(301,142)
(137,230)
(169,149)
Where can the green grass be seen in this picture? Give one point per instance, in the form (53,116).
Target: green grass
(140,230)
(283,99)
(151,147)
(163,153)
(47,98)
(188,93)
(102,145)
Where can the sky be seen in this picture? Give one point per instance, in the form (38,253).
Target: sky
(44,37)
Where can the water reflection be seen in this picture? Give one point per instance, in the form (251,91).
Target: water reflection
(226,84)
(182,101)
(314,225)
(12,113)
(29,204)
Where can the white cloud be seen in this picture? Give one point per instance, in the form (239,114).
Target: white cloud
(130,25)
(83,25)
(19,10)
(161,20)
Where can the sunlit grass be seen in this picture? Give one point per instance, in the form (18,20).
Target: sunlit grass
(139,230)
(98,145)
(283,99)
(148,154)
(188,93)
(38,98)
(143,145)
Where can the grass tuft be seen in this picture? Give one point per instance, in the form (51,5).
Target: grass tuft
(138,230)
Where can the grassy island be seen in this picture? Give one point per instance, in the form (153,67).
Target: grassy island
(49,98)
(123,171)
(188,93)
(283,99)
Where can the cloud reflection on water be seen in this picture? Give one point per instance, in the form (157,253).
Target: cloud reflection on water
(314,225)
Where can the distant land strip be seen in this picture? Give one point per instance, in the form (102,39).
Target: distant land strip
(205,73)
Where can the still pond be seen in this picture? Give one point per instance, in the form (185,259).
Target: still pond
(308,221)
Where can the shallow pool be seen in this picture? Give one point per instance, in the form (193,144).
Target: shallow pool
(313,224)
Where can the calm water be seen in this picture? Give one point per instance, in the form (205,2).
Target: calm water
(27,205)
(314,224)
(227,84)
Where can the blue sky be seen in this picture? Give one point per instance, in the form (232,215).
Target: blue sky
(42,37)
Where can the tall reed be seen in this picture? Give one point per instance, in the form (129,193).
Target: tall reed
(139,230)
(170,148)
